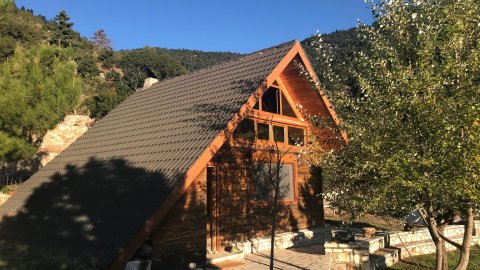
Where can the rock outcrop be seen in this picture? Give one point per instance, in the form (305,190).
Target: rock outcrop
(64,134)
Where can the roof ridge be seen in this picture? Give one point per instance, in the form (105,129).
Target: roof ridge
(155,85)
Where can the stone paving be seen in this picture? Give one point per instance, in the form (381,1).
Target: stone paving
(302,258)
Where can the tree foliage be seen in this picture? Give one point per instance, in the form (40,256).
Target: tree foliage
(163,63)
(63,34)
(414,124)
(38,87)
(107,95)
(13,149)
(18,26)
(333,63)
(149,62)
(195,60)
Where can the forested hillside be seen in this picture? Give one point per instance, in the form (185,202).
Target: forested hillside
(48,70)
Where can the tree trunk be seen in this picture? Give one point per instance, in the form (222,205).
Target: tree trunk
(439,245)
(274,215)
(467,239)
(274,225)
(443,246)
(439,256)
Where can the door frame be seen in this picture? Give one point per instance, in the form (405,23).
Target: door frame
(213,244)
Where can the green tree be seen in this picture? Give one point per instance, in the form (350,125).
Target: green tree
(18,26)
(38,87)
(63,34)
(86,62)
(149,62)
(414,124)
(105,94)
(14,149)
(103,100)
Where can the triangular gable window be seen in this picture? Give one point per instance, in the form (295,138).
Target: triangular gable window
(271,100)
(275,101)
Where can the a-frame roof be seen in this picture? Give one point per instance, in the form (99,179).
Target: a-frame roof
(105,193)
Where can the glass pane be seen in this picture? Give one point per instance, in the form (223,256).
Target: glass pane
(245,130)
(263,132)
(262,181)
(265,176)
(279,134)
(287,186)
(271,101)
(286,108)
(296,136)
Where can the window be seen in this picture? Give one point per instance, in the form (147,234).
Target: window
(286,108)
(271,100)
(274,101)
(263,131)
(245,130)
(265,176)
(251,130)
(296,136)
(279,134)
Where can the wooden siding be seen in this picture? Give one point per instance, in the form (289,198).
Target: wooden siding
(181,236)
(313,103)
(241,216)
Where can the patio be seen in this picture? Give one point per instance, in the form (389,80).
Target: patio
(302,258)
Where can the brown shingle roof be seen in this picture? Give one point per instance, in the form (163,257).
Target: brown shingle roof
(92,198)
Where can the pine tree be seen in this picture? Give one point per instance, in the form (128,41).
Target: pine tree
(38,87)
(63,34)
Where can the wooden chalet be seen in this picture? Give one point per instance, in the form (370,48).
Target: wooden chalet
(177,166)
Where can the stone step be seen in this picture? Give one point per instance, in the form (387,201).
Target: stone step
(388,256)
(384,257)
(221,257)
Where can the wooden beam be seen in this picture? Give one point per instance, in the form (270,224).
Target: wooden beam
(282,64)
(289,99)
(266,117)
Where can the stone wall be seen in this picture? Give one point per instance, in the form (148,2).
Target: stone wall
(64,134)
(354,255)
(385,249)
(306,237)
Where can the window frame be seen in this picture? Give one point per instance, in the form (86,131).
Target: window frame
(287,139)
(282,95)
(285,126)
(288,201)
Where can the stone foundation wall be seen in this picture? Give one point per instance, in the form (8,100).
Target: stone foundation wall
(353,255)
(285,240)
(422,234)
(356,255)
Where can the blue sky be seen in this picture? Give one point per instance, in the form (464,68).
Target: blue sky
(209,25)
